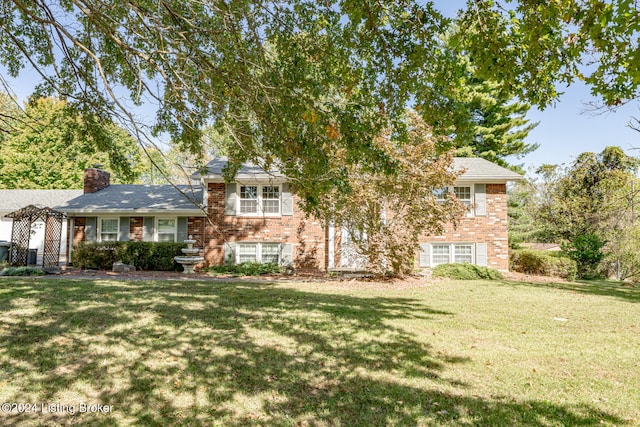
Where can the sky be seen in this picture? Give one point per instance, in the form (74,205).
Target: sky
(565,129)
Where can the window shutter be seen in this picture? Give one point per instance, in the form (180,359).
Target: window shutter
(124,229)
(90,229)
(481,199)
(230,199)
(481,254)
(183,233)
(287,200)
(425,258)
(229,253)
(286,257)
(147,229)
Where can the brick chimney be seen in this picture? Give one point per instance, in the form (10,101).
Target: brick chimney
(95,180)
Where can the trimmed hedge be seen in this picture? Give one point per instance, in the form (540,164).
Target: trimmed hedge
(149,256)
(21,271)
(542,263)
(246,269)
(465,272)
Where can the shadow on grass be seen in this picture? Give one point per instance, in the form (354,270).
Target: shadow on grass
(622,290)
(166,353)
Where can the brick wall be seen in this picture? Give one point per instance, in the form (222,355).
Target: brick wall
(491,229)
(136,228)
(95,180)
(79,224)
(305,234)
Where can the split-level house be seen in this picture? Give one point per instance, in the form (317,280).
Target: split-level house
(257,218)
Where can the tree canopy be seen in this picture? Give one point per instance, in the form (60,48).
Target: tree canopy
(591,207)
(297,81)
(48,147)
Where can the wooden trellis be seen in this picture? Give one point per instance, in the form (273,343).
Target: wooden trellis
(23,220)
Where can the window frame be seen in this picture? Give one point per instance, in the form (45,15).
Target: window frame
(258,251)
(452,252)
(100,232)
(156,227)
(260,200)
(450,189)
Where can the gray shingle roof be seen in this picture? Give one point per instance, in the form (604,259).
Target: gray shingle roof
(481,169)
(128,198)
(248,171)
(476,168)
(12,200)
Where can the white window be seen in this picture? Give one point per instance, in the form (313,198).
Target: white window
(248,199)
(270,253)
(464,195)
(247,252)
(271,199)
(167,229)
(441,194)
(446,253)
(259,199)
(463,254)
(440,254)
(109,228)
(259,252)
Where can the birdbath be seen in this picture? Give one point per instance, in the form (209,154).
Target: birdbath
(190,258)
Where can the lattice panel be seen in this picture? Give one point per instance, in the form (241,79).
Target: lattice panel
(52,242)
(20,234)
(23,219)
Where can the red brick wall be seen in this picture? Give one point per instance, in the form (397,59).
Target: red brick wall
(95,180)
(491,229)
(136,227)
(305,234)
(78,229)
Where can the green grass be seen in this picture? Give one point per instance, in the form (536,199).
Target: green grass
(462,353)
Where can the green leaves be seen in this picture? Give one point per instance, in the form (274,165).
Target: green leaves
(51,145)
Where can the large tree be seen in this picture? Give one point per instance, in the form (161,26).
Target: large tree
(297,81)
(48,147)
(386,214)
(591,206)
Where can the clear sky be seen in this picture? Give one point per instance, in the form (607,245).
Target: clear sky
(569,128)
(564,131)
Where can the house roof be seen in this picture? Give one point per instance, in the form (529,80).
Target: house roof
(12,200)
(477,169)
(248,171)
(130,198)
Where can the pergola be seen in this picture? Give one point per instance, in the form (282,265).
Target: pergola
(23,219)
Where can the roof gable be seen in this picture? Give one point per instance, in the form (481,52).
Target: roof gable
(478,169)
(248,171)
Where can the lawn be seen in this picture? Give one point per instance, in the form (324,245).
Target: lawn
(337,353)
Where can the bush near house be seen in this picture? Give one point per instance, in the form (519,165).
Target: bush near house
(465,272)
(21,271)
(542,263)
(246,269)
(147,256)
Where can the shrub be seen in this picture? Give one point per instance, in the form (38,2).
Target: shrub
(465,272)
(147,256)
(21,271)
(543,264)
(246,269)
(586,250)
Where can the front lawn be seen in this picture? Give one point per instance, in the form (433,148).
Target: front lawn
(236,354)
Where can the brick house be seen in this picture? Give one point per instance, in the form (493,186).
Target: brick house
(256,218)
